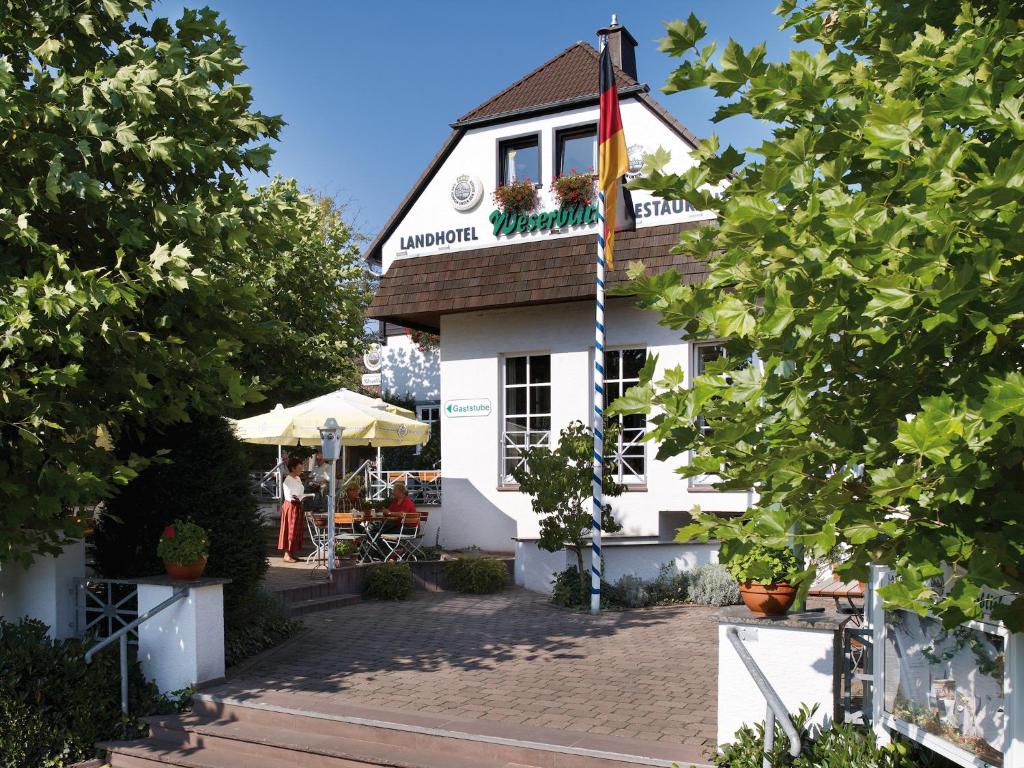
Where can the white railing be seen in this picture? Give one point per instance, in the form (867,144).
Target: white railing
(121,635)
(512,449)
(775,709)
(422,485)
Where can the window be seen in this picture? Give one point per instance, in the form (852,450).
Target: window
(576,151)
(519,160)
(622,371)
(527,409)
(429,415)
(703,355)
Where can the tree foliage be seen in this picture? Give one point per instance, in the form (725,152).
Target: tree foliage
(314,291)
(140,279)
(560,482)
(868,259)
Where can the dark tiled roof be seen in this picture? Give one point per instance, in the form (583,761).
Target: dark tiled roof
(416,291)
(572,74)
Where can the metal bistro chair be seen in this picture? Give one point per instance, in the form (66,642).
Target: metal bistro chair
(402,545)
(316,525)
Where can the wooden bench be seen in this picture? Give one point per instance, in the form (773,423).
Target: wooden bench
(838,590)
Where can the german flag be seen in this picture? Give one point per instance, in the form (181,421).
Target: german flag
(612,163)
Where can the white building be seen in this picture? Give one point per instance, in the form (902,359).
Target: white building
(515,310)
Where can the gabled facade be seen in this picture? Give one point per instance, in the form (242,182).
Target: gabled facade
(512,300)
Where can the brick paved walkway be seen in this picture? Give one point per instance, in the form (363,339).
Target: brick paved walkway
(511,658)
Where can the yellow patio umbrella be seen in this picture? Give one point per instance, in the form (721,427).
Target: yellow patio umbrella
(363,420)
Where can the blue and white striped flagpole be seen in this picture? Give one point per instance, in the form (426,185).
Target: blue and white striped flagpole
(598,415)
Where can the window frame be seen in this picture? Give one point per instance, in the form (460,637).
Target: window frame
(517,142)
(702,483)
(634,480)
(420,408)
(572,131)
(505,479)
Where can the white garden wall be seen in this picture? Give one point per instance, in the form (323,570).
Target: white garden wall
(45,591)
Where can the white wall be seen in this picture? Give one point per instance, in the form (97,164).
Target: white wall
(535,567)
(472,349)
(44,591)
(476,154)
(408,371)
(799,664)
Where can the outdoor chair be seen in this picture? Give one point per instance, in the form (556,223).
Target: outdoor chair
(316,526)
(403,545)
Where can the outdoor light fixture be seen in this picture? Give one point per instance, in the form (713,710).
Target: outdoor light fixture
(330,440)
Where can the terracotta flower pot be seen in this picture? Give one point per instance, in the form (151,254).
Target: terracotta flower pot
(767,599)
(186,571)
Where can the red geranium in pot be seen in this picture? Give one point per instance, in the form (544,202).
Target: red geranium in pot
(184,547)
(767,578)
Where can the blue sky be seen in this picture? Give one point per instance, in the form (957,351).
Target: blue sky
(368,89)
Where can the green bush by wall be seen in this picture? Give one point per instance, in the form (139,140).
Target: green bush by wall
(477,575)
(390,581)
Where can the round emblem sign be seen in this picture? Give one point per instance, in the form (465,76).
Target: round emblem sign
(466,192)
(372,357)
(636,153)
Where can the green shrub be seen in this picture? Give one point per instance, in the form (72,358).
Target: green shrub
(204,479)
(390,581)
(841,746)
(712,584)
(254,624)
(632,591)
(54,707)
(569,592)
(477,575)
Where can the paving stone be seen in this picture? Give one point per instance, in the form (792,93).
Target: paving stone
(512,658)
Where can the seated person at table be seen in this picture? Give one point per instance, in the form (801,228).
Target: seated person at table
(399,506)
(351,502)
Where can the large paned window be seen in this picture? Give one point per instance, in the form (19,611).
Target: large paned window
(519,160)
(527,409)
(576,151)
(622,371)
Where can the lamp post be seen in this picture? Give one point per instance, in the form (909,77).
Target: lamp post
(330,446)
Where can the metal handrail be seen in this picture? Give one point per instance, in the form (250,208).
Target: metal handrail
(775,706)
(121,636)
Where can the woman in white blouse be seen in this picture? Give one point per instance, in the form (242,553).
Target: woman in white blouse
(289,540)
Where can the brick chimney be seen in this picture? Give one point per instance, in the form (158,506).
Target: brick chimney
(622,46)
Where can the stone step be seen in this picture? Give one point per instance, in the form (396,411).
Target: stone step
(327,722)
(312,605)
(301,746)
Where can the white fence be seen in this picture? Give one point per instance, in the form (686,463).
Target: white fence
(959,692)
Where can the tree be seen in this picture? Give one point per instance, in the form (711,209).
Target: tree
(560,482)
(203,477)
(869,259)
(314,291)
(125,219)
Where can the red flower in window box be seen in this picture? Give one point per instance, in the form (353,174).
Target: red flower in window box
(516,197)
(573,189)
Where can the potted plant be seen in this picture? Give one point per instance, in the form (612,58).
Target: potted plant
(573,190)
(184,547)
(516,197)
(766,578)
(345,550)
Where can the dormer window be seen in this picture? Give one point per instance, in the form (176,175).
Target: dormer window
(576,150)
(519,160)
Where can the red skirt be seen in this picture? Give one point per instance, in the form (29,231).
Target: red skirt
(290,537)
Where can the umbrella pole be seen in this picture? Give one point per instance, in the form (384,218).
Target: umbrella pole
(277,472)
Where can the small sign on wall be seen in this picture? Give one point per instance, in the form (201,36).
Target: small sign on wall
(371,380)
(459,409)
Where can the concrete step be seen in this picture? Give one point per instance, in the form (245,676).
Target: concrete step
(315,720)
(314,604)
(302,746)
